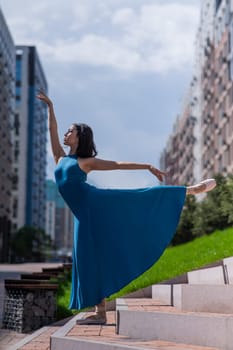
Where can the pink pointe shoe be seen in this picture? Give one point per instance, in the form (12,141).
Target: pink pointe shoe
(204,186)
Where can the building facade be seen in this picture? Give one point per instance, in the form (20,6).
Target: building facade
(7,95)
(211,98)
(178,157)
(217,121)
(30,131)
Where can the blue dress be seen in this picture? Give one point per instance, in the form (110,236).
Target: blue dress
(118,233)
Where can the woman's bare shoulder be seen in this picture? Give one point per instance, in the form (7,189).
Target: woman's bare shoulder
(86,163)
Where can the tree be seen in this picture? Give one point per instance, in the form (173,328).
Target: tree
(227,201)
(214,212)
(184,232)
(211,214)
(30,244)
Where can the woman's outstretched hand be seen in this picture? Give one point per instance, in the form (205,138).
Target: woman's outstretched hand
(158,173)
(43,97)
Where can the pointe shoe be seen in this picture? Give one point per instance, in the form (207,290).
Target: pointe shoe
(93,319)
(204,186)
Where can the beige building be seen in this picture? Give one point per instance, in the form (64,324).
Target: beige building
(178,158)
(217,118)
(201,144)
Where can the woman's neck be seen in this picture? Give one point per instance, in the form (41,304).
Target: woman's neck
(72,150)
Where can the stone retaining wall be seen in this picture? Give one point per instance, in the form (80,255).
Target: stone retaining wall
(29,307)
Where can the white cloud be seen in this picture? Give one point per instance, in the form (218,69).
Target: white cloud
(139,38)
(123,16)
(93,50)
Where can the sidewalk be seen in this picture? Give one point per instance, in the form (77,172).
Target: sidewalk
(9,338)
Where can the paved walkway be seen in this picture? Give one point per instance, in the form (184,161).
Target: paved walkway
(9,338)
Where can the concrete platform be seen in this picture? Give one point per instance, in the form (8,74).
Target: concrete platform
(196,297)
(204,298)
(228,265)
(79,337)
(211,275)
(170,324)
(163,292)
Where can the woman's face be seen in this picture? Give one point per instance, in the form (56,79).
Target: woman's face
(71,137)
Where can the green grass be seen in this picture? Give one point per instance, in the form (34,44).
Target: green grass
(175,261)
(63,297)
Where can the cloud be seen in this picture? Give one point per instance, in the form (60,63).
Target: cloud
(123,16)
(136,38)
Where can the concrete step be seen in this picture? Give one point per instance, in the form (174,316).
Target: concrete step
(196,297)
(70,336)
(220,272)
(211,275)
(204,298)
(228,266)
(167,323)
(77,337)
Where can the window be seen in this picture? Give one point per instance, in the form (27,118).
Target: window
(16,124)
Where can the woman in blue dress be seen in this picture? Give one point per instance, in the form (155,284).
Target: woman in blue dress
(118,233)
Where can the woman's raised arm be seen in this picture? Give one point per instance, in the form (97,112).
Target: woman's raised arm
(57,149)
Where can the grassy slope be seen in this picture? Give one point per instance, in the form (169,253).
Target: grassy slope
(186,257)
(177,260)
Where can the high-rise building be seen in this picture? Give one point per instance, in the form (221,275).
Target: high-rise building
(178,157)
(217,87)
(30,130)
(59,219)
(212,95)
(7,93)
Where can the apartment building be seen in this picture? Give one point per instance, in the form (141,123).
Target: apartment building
(30,130)
(178,157)
(186,164)
(217,153)
(211,100)
(7,94)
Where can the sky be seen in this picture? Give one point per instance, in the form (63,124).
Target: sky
(121,66)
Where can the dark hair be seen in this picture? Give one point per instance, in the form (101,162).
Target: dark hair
(86,146)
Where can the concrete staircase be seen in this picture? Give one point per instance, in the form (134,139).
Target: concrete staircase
(196,315)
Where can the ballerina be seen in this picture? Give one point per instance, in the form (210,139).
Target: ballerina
(118,233)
